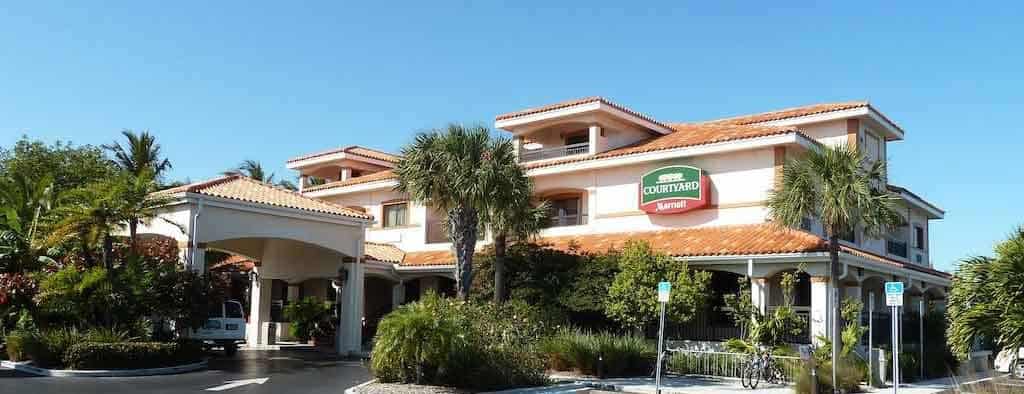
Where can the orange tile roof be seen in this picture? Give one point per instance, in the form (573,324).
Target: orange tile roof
(353,149)
(733,240)
(575,102)
(383,252)
(787,113)
(235,262)
(685,135)
(377,176)
(241,188)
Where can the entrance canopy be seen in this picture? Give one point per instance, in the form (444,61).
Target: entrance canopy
(292,236)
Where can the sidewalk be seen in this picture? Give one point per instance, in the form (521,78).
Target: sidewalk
(700,385)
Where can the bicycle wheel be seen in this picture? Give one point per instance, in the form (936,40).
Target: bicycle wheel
(755,375)
(744,375)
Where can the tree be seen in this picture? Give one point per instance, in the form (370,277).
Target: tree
(454,170)
(511,213)
(985,300)
(763,329)
(91,215)
(843,190)
(141,154)
(632,298)
(24,205)
(69,166)
(140,203)
(252,169)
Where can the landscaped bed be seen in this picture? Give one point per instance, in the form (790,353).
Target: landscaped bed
(92,350)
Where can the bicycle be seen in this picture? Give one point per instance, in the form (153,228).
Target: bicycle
(761,366)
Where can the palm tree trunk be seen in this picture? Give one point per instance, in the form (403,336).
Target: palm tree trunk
(108,252)
(133,232)
(499,267)
(837,337)
(463,230)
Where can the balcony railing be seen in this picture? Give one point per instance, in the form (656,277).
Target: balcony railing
(551,153)
(896,248)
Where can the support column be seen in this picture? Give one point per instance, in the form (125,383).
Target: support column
(303,182)
(819,306)
(591,212)
(517,145)
(351,325)
(428,283)
(595,135)
(759,290)
(198,260)
(345,174)
(259,311)
(293,292)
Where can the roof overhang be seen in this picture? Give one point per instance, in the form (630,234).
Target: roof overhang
(382,184)
(877,121)
(517,124)
(335,157)
(914,200)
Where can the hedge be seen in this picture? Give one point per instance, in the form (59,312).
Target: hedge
(132,355)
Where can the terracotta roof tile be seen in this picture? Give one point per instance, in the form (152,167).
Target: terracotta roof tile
(787,113)
(353,149)
(575,102)
(377,176)
(238,187)
(234,263)
(685,135)
(383,252)
(748,239)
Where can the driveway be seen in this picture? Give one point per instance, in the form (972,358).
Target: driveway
(286,371)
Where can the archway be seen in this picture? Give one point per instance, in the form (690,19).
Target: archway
(713,322)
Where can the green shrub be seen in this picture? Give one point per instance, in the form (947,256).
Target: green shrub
(16,343)
(306,316)
(107,335)
(47,347)
(478,346)
(598,354)
(849,375)
(131,355)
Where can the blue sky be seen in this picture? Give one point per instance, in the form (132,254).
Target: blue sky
(220,82)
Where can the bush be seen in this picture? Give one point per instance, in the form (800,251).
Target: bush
(478,346)
(132,355)
(16,342)
(46,348)
(306,317)
(849,375)
(600,354)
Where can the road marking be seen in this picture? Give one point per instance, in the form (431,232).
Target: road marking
(230,384)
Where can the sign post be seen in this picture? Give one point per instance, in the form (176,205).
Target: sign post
(894,299)
(664,290)
(871,337)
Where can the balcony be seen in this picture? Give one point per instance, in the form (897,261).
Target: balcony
(896,248)
(555,152)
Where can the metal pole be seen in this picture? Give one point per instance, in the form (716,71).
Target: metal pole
(833,331)
(920,332)
(661,336)
(895,350)
(871,335)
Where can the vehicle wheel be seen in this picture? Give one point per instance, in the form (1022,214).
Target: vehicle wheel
(230,349)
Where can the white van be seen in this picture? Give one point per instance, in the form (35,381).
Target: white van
(224,327)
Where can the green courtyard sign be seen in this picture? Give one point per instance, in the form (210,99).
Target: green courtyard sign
(674,189)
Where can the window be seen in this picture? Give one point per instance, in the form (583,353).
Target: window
(919,237)
(233,310)
(396,215)
(565,211)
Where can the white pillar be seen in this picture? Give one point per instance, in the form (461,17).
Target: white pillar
(517,145)
(259,311)
(759,290)
(591,213)
(595,135)
(199,260)
(293,291)
(303,182)
(345,174)
(819,306)
(397,295)
(352,312)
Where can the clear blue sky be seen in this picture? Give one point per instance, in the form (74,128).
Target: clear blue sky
(220,82)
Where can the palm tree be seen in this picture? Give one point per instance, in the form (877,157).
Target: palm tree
(91,215)
(511,212)
(842,189)
(254,170)
(142,153)
(24,205)
(984,302)
(139,203)
(454,170)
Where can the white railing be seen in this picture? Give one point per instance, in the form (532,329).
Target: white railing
(722,364)
(550,153)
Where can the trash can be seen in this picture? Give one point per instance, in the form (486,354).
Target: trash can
(271,333)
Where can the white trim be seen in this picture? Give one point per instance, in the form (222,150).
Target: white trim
(267,209)
(866,111)
(857,261)
(923,205)
(359,187)
(336,156)
(720,147)
(66,373)
(578,109)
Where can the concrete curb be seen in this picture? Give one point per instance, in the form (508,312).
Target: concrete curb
(67,373)
(355,389)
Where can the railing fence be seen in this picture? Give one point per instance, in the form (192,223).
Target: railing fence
(723,364)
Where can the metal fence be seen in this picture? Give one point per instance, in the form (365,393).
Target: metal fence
(723,364)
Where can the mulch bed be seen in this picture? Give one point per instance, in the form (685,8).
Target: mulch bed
(375,388)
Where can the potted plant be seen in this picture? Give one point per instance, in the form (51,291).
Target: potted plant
(307,316)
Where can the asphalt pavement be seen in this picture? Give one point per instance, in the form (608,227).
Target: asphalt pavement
(284,371)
